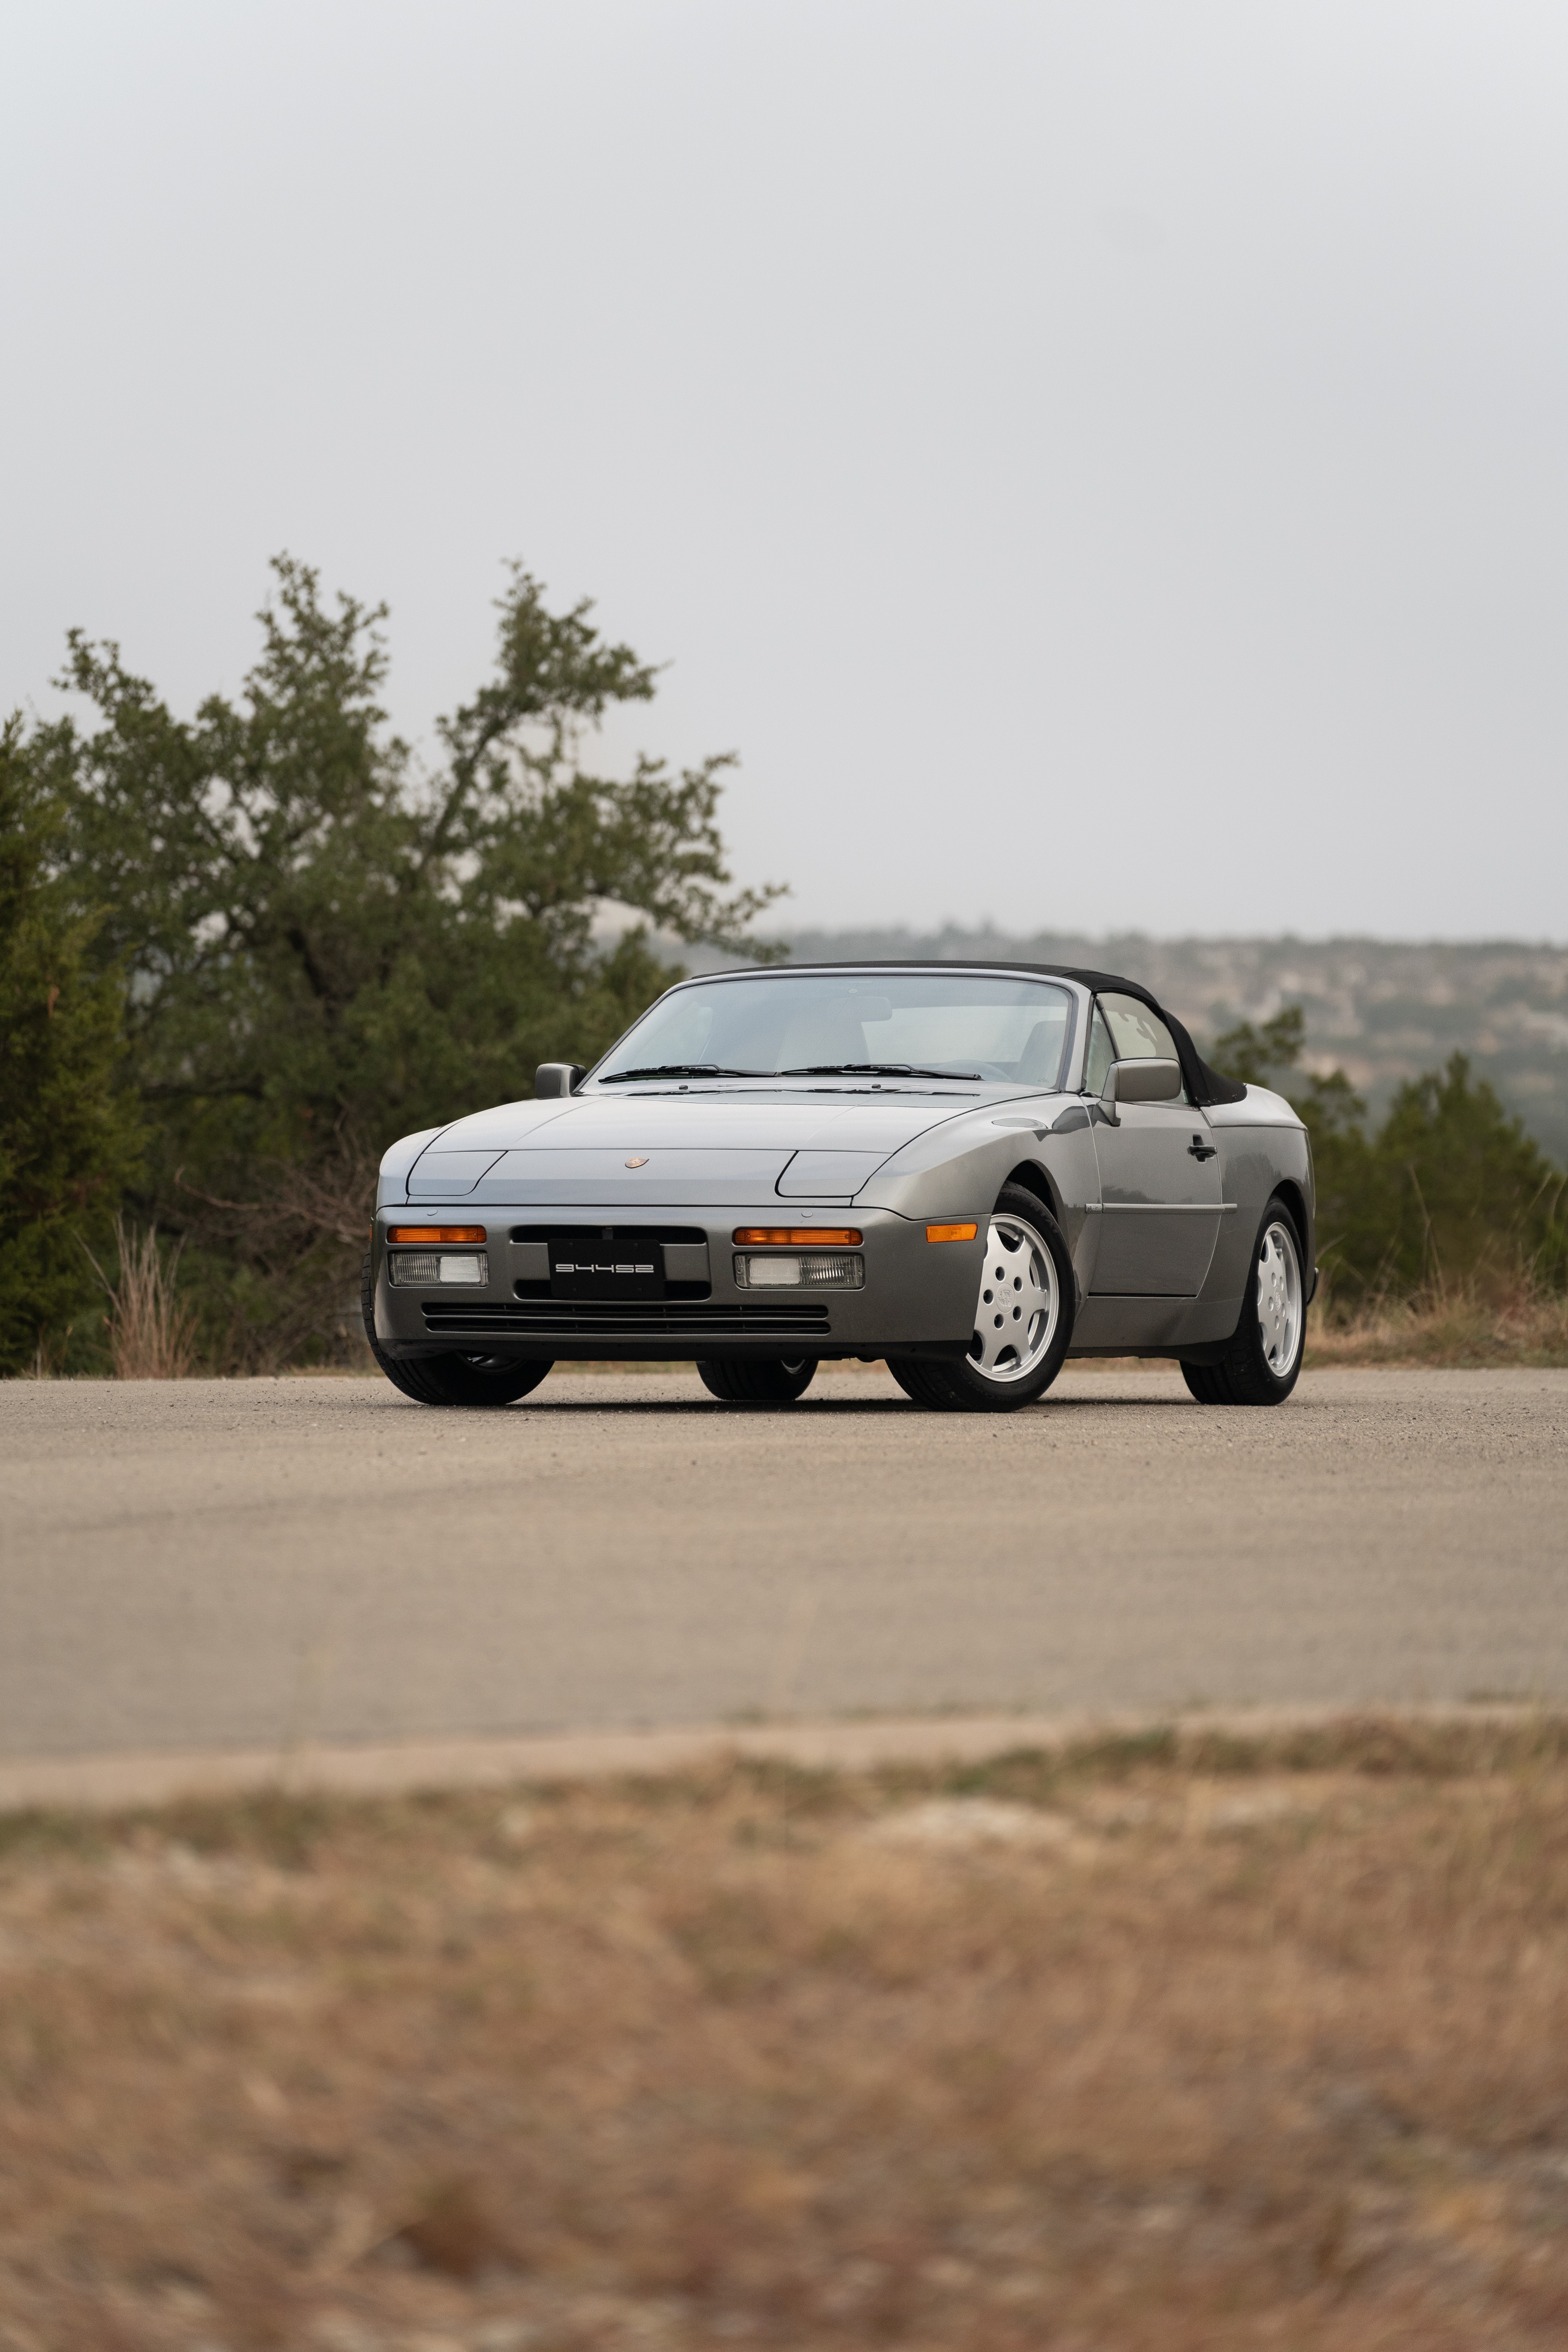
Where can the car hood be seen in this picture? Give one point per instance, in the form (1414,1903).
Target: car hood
(734,1149)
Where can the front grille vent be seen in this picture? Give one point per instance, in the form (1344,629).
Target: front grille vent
(592,1231)
(581,1318)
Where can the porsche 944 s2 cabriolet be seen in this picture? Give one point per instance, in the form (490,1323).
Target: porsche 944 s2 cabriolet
(972,1171)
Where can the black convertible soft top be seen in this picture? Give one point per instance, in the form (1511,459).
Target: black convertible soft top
(1203,1085)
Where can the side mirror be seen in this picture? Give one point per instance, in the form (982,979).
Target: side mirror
(552,1078)
(1142,1082)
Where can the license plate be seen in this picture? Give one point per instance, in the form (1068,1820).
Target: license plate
(606,1269)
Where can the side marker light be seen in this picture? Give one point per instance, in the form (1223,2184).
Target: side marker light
(951,1232)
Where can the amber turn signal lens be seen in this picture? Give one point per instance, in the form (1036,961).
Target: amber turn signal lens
(796,1238)
(435,1236)
(951,1232)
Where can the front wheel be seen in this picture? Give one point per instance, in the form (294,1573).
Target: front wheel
(466,1380)
(1263,1360)
(763,1384)
(454,1379)
(1023,1318)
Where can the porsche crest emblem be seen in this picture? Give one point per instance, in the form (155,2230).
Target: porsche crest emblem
(639,1160)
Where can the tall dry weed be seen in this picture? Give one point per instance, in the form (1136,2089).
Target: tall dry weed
(152,1336)
(1498,1318)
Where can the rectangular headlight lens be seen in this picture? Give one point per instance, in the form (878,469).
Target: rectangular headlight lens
(419,1268)
(810,1270)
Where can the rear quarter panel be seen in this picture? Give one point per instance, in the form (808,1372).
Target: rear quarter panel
(1264,1149)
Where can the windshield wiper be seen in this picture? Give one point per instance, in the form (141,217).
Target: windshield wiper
(871,1070)
(812,1070)
(683,1070)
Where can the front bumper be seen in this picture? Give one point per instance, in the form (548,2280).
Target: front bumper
(918,1299)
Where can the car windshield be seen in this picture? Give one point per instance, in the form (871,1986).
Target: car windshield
(925,1025)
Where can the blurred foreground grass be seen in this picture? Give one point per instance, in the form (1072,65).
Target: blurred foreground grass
(1167,2043)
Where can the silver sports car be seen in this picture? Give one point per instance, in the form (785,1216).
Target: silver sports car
(970,1170)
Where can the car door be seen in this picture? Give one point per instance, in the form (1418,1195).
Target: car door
(1159,1169)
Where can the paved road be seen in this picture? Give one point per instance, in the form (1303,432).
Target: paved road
(212,1564)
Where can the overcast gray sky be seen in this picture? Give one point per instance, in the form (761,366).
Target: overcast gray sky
(1100,465)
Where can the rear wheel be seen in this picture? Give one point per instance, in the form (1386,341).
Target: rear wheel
(1023,1319)
(763,1384)
(475,1380)
(1262,1363)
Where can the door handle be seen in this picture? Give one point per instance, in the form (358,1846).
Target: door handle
(1198,1150)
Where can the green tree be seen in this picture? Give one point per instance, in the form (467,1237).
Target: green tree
(330,942)
(1268,1055)
(70,1137)
(1449,1189)
(1472,1195)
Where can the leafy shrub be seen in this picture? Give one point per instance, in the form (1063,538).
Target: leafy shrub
(1450,1192)
(70,1136)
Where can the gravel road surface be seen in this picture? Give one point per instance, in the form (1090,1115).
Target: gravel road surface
(210,1564)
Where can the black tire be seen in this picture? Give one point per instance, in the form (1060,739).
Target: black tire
(762,1383)
(448,1380)
(1255,1369)
(921,1381)
(1206,1382)
(951,1385)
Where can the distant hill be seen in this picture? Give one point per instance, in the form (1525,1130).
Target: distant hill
(1379,1011)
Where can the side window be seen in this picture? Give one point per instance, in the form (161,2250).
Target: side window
(1136,1034)
(1101,1054)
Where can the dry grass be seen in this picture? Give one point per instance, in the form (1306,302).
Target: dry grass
(152,1336)
(1514,1322)
(1148,2046)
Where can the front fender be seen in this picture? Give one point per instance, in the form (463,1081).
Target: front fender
(957,1169)
(392,1178)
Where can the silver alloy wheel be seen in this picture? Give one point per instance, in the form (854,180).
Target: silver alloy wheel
(1280,1317)
(1016,1313)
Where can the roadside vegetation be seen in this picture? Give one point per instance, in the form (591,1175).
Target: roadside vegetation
(243,950)
(72,1139)
(239,951)
(1171,2044)
(1442,1233)
(1450,1326)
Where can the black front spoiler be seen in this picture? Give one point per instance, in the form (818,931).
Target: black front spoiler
(615,1348)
